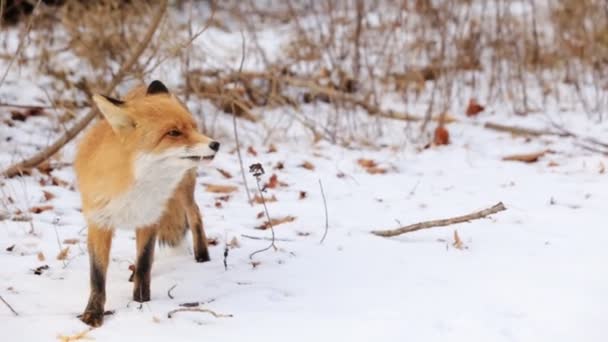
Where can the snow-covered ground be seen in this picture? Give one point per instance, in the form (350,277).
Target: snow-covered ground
(535,272)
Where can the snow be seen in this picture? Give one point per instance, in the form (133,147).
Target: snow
(534,272)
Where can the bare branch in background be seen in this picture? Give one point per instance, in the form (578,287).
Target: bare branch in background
(9,306)
(73,131)
(326,214)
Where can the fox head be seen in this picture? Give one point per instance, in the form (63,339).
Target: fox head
(157,130)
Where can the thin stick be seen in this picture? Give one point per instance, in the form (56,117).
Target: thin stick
(258,171)
(21,42)
(263,238)
(9,306)
(326,215)
(72,132)
(169,291)
(236,134)
(520,130)
(213,313)
(441,223)
(22,106)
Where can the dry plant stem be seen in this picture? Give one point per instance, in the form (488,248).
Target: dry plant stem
(73,131)
(441,223)
(169,291)
(213,313)
(272,245)
(326,214)
(521,130)
(21,41)
(263,238)
(9,306)
(234,126)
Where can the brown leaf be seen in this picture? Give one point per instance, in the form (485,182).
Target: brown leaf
(474,108)
(279,166)
(40,269)
(307,165)
(63,254)
(303,195)
(39,209)
(272,148)
(218,204)
(224,198)
(70,241)
(340,175)
(259,216)
(602,168)
(526,157)
(224,173)
(220,189)
(22,115)
(442,136)
(376,170)
(48,195)
(40,256)
(273,182)
(10,248)
(366,163)
(252,151)
(276,221)
(59,182)
(257,199)
(458,244)
(211,241)
(45,167)
(553,163)
(234,243)
(255,264)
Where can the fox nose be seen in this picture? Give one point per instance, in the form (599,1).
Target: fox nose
(214,145)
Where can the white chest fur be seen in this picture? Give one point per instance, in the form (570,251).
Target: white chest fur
(143,204)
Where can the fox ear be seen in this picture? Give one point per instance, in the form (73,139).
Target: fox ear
(157,87)
(113,110)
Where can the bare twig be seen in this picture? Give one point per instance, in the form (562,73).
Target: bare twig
(234,126)
(23,106)
(9,306)
(263,238)
(326,215)
(521,130)
(213,313)
(72,132)
(21,42)
(257,171)
(169,291)
(441,223)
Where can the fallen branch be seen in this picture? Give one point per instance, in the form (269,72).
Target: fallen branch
(441,223)
(73,131)
(213,313)
(522,130)
(9,306)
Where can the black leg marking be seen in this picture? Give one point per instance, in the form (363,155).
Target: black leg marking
(201,253)
(141,291)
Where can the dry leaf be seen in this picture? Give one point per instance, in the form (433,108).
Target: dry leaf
(340,175)
(273,182)
(442,136)
(211,241)
(276,221)
(10,248)
(259,216)
(279,166)
(376,170)
(526,157)
(302,233)
(259,200)
(64,253)
(59,182)
(220,189)
(474,108)
(76,337)
(602,168)
(218,204)
(224,198)
(155,319)
(252,151)
(224,173)
(234,243)
(45,167)
(39,209)
(255,264)
(48,195)
(303,195)
(40,269)
(307,165)
(553,163)
(71,241)
(458,244)
(366,163)
(272,148)
(40,256)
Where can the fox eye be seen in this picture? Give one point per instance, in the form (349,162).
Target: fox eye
(174,133)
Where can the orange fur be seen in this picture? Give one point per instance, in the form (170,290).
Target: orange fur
(133,156)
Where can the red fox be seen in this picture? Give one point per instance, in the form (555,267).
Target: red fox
(137,170)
